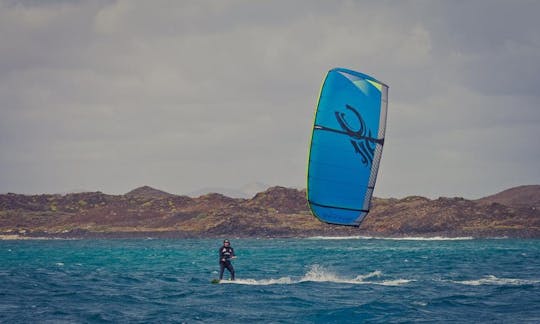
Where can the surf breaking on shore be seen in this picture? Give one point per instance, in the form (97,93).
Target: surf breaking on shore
(405,238)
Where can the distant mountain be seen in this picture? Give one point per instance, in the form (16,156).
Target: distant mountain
(246,191)
(233,193)
(73,191)
(274,212)
(521,196)
(251,189)
(148,192)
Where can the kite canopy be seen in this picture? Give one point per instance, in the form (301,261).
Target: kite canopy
(346,146)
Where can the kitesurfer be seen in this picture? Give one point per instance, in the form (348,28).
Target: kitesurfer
(226,253)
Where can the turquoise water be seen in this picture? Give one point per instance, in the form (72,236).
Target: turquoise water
(279,281)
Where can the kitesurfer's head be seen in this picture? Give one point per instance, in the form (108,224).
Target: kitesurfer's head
(226,242)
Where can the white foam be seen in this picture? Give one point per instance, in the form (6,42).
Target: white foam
(318,273)
(493,280)
(406,238)
(354,237)
(434,238)
(397,282)
(262,282)
(373,274)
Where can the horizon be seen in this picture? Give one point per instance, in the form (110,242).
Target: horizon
(250,197)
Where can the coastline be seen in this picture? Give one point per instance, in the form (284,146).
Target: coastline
(278,212)
(18,237)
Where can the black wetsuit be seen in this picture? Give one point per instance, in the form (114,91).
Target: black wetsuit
(225,255)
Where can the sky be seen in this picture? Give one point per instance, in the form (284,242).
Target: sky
(185,95)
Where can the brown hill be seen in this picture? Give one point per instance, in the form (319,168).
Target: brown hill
(521,196)
(452,217)
(148,192)
(276,212)
(281,199)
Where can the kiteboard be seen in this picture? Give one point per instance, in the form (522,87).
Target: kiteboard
(215,281)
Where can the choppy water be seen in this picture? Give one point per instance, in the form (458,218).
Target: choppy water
(279,280)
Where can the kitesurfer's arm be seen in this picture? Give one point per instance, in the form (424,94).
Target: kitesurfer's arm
(221,256)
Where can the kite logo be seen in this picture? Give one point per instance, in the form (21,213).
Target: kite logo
(362,141)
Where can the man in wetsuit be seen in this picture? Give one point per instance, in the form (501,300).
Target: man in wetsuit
(226,253)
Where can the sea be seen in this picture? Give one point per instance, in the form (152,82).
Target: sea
(305,280)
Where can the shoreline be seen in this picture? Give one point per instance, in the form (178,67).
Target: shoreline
(111,236)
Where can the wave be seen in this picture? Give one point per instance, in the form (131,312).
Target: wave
(406,238)
(493,280)
(353,237)
(318,273)
(434,238)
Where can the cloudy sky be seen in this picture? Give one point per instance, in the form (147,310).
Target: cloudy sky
(184,95)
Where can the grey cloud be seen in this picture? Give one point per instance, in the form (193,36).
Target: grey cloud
(114,94)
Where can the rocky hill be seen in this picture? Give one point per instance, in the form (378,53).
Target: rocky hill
(276,212)
(522,196)
(148,192)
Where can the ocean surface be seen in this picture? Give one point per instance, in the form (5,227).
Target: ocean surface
(313,280)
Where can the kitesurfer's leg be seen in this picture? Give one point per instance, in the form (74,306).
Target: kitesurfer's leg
(221,270)
(231,270)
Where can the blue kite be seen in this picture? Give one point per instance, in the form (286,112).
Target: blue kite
(346,146)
